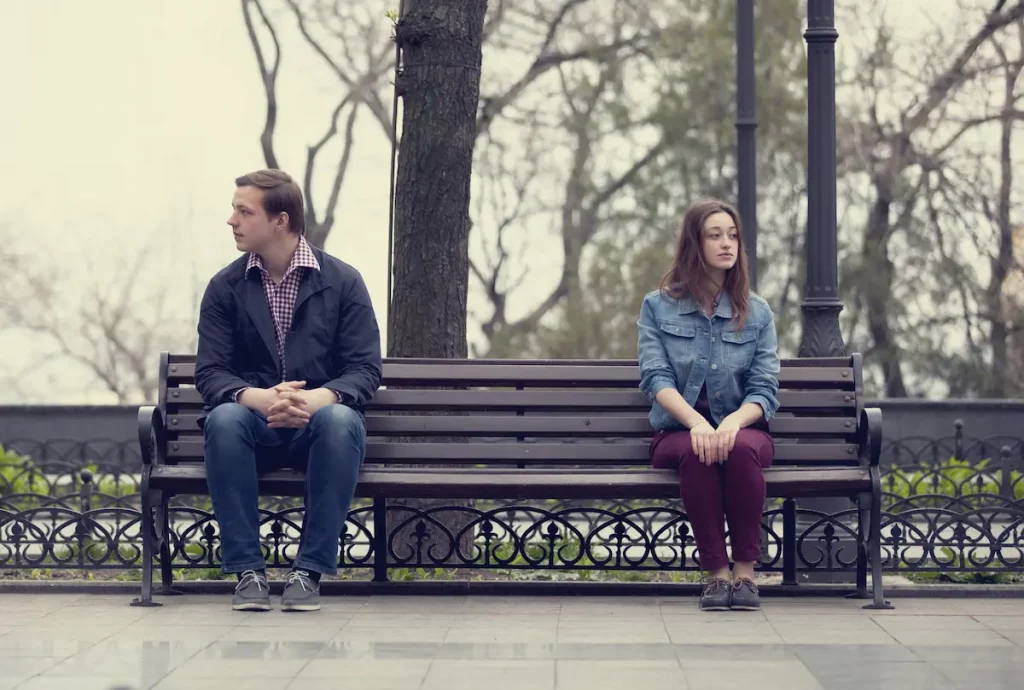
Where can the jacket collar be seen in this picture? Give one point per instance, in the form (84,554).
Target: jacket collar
(689,305)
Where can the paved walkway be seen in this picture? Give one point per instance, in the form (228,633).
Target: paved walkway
(93,642)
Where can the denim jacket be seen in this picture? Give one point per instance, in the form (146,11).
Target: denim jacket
(679,346)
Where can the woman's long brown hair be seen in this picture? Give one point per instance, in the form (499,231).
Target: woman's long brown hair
(689,277)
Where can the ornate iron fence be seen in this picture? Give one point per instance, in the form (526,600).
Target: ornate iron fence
(951,505)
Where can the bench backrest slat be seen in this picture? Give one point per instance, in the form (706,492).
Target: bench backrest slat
(545,412)
(555,374)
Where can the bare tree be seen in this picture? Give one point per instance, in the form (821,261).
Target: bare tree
(353,41)
(612,154)
(898,153)
(1002,262)
(558,175)
(112,327)
(360,57)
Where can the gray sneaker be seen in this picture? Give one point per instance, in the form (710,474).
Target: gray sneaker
(745,596)
(717,595)
(251,593)
(300,593)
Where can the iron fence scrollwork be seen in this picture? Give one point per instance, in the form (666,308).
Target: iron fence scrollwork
(950,505)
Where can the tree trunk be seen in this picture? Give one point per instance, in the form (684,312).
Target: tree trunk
(1001,377)
(877,291)
(1000,266)
(440,89)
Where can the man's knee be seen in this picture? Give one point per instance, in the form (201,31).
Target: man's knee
(339,419)
(227,417)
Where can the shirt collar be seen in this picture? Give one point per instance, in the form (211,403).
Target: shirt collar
(302,258)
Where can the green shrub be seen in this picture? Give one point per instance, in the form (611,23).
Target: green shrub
(951,478)
(18,475)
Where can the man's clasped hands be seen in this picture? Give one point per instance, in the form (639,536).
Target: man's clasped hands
(287,405)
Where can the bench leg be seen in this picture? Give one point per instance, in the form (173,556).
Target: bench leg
(380,540)
(148,527)
(789,542)
(875,544)
(863,527)
(166,572)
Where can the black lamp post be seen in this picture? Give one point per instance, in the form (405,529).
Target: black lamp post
(746,124)
(821,306)
(821,336)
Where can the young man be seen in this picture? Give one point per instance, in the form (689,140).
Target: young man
(289,355)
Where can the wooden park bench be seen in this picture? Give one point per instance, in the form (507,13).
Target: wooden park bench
(522,429)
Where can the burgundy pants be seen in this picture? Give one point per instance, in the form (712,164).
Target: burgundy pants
(734,488)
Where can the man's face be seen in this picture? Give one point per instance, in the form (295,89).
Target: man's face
(253,230)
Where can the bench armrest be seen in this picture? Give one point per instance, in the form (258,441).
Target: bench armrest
(871,436)
(152,435)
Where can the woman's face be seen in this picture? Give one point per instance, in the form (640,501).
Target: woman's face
(720,241)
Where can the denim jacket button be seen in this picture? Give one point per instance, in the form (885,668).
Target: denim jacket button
(714,366)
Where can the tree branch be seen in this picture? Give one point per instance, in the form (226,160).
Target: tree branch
(955,74)
(268,76)
(493,106)
(339,174)
(362,87)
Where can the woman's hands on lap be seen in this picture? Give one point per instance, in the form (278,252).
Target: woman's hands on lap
(705,442)
(714,445)
(726,434)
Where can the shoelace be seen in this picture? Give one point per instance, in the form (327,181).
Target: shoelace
(302,577)
(714,585)
(745,582)
(251,576)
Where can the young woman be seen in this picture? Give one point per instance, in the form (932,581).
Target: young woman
(709,364)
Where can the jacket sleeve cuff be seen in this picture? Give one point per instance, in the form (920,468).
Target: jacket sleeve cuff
(658,384)
(230,392)
(767,409)
(344,396)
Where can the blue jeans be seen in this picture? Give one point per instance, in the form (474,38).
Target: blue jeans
(239,446)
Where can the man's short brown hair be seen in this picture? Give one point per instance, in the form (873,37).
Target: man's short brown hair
(280,195)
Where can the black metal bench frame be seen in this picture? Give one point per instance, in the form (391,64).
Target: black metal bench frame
(511,413)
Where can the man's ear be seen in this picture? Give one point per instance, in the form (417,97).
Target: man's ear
(283,220)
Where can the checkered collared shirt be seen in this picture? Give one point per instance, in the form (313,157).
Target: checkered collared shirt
(282,296)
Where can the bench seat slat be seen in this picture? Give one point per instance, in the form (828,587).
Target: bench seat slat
(183,399)
(524,484)
(401,400)
(538,426)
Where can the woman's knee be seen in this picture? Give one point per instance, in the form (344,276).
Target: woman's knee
(752,447)
(670,450)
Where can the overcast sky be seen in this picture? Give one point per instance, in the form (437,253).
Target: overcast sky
(124,122)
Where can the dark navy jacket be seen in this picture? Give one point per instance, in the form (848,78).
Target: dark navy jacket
(334,341)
